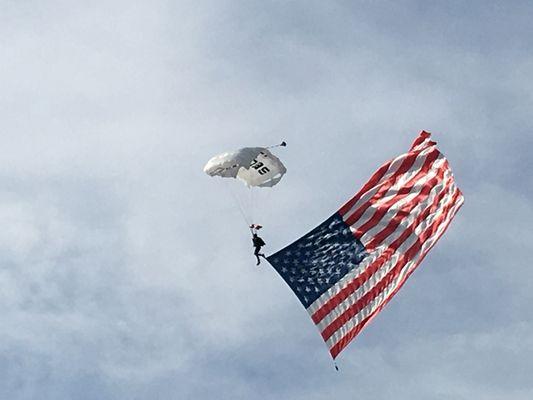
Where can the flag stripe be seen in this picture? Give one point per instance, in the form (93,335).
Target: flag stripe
(398,213)
(388,292)
(373,181)
(398,168)
(384,241)
(381,272)
(377,272)
(386,172)
(422,141)
(414,186)
(397,265)
(410,164)
(337,347)
(392,244)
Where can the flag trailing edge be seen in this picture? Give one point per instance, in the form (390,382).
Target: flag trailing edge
(350,266)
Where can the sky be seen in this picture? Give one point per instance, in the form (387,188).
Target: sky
(127,273)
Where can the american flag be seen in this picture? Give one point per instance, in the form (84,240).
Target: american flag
(346,269)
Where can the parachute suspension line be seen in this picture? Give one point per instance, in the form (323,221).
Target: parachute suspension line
(252,214)
(239,205)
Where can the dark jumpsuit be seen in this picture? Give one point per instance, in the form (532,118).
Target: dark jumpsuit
(258,243)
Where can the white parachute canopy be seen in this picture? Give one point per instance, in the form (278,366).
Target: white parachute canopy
(255,166)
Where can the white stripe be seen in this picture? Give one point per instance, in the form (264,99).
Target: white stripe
(393,167)
(397,207)
(378,300)
(393,191)
(422,145)
(407,221)
(392,170)
(387,266)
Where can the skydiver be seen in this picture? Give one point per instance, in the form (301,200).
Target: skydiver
(257,242)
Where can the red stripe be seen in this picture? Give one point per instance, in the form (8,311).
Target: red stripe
(365,300)
(352,286)
(373,181)
(391,275)
(335,349)
(404,211)
(420,139)
(341,344)
(385,281)
(376,177)
(406,165)
(404,191)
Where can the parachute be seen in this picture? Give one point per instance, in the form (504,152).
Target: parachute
(256,167)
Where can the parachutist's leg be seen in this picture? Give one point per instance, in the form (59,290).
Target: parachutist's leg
(260,254)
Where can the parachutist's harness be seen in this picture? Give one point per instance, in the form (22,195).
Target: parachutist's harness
(258,242)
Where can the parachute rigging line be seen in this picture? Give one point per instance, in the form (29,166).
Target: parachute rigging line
(244,216)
